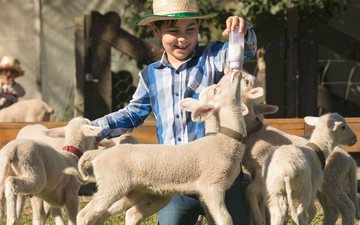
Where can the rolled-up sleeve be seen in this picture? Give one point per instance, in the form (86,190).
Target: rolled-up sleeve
(250,43)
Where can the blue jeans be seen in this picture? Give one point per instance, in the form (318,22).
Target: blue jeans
(184,210)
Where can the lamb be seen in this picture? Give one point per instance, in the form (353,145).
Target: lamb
(255,154)
(141,211)
(293,175)
(32,110)
(261,141)
(34,168)
(338,192)
(190,173)
(38,132)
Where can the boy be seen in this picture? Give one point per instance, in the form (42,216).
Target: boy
(10,91)
(183,71)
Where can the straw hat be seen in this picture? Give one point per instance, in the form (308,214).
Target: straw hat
(173,10)
(8,62)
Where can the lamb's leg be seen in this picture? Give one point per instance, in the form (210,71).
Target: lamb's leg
(102,200)
(38,212)
(277,209)
(341,200)
(120,206)
(30,182)
(311,211)
(2,205)
(72,205)
(10,203)
(209,218)
(302,218)
(54,212)
(253,192)
(149,205)
(20,202)
(345,206)
(215,203)
(331,213)
(200,220)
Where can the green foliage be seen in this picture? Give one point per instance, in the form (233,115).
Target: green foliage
(252,8)
(249,9)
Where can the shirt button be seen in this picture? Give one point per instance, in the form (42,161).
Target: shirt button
(177,116)
(177,93)
(179,139)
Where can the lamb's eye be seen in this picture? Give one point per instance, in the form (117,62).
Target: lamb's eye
(343,127)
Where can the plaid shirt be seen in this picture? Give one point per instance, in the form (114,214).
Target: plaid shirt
(161,87)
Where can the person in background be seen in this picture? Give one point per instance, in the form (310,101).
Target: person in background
(183,71)
(10,90)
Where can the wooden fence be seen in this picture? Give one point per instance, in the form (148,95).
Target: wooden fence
(146,133)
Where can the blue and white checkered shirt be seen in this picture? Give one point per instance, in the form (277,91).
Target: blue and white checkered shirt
(161,87)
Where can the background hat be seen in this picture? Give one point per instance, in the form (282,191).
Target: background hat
(173,9)
(8,62)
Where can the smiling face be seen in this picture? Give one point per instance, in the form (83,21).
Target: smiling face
(179,38)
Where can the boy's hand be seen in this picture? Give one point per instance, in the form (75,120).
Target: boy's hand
(234,21)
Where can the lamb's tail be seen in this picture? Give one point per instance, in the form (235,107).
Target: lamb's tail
(85,173)
(289,199)
(74,172)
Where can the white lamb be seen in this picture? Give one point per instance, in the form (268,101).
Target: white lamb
(141,210)
(39,132)
(341,182)
(35,168)
(293,175)
(339,190)
(261,141)
(32,110)
(202,167)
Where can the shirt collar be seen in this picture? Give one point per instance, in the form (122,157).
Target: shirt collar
(164,62)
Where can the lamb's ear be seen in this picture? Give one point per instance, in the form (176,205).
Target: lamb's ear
(311,120)
(189,104)
(89,130)
(265,109)
(256,93)
(333,124)
(56,132)
(244,109)
(203,112)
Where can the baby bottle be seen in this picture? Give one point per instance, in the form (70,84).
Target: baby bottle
(236,49)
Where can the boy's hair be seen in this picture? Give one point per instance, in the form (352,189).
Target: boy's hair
(159,23)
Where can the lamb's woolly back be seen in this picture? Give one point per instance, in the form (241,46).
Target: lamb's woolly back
(38,132)
(32,110)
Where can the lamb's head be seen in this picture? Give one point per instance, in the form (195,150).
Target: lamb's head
(78,133)
(216,99)
(334,126)
(248,82)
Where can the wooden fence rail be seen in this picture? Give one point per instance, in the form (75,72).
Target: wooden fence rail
(146,133)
